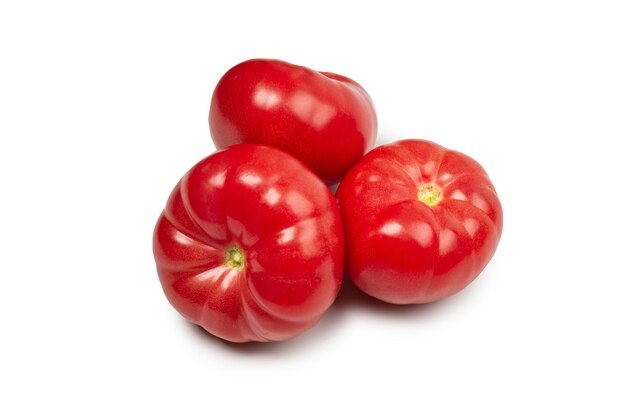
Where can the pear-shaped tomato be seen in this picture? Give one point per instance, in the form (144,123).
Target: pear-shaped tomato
(325,120)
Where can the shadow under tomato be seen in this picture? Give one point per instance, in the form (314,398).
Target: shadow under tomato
(243,348)
(353,299)
(350,302)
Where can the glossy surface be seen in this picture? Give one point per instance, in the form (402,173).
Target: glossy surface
(248,251)
(420,221)
(325,120)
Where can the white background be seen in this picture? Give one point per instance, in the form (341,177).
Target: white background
(103,107)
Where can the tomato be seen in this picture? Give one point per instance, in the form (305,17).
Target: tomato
(325,120)
(250,245)
(420,221)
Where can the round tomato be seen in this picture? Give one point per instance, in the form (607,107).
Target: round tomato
(420,221)
(250,245)
(325,120)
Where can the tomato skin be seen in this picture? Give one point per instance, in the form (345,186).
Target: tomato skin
(325,120)
(402,250)
(284,221)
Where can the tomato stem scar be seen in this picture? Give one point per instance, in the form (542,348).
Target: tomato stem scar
(235,258)
(429,193)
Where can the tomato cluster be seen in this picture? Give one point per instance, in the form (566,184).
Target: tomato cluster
(252,245)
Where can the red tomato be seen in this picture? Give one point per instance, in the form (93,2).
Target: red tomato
(420,221)
(250,245)
(325,120)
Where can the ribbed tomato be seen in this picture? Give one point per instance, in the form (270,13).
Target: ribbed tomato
(420,221)
(250,245)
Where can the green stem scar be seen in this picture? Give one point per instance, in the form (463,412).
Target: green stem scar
(429,193)
(234,258)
